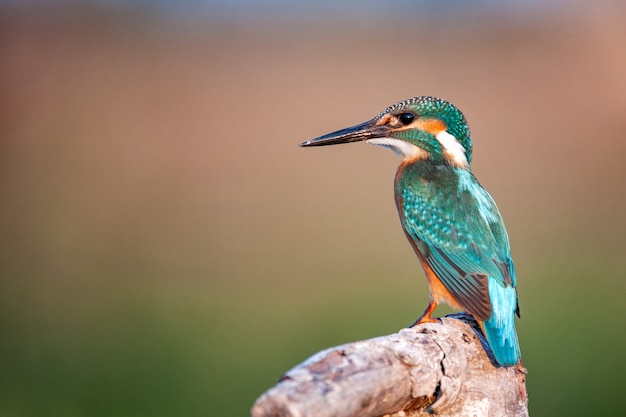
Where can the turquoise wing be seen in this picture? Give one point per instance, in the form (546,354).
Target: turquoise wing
(461,236)
(458,229)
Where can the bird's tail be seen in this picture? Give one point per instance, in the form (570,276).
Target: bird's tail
(500,328)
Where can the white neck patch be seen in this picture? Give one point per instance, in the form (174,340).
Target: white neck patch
(400,147)
(452,149)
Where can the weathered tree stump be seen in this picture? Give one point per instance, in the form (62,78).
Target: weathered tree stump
(443,369)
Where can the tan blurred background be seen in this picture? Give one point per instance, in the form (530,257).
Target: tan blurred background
(168,250)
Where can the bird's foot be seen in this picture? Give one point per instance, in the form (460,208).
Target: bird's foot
(426,319)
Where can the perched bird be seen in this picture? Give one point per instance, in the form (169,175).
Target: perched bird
(450,220)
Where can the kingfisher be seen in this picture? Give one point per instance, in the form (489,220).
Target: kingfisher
(450,220)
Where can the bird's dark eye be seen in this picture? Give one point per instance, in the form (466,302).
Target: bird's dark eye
(406,118)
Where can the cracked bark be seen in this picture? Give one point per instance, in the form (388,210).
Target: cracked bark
(444,369)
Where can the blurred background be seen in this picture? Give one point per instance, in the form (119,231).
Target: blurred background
(167,249)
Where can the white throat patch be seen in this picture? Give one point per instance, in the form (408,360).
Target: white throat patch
(452,149)
(400,147)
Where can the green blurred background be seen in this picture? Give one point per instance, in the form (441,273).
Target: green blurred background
(168,250)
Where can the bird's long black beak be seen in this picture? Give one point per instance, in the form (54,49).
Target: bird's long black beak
(360,132)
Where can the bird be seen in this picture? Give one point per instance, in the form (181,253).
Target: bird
(448,217)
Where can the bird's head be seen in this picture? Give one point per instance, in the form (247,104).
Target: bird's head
(417,128)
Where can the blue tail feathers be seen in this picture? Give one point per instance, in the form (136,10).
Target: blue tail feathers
(500,328)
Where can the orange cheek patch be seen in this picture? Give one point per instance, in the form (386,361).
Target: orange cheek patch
(384,120)
(432,126)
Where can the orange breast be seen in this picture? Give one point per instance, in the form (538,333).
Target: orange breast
(437,290)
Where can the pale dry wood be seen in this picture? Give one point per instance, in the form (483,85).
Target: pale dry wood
(440,369)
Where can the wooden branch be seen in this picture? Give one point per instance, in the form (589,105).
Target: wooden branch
(438,369)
